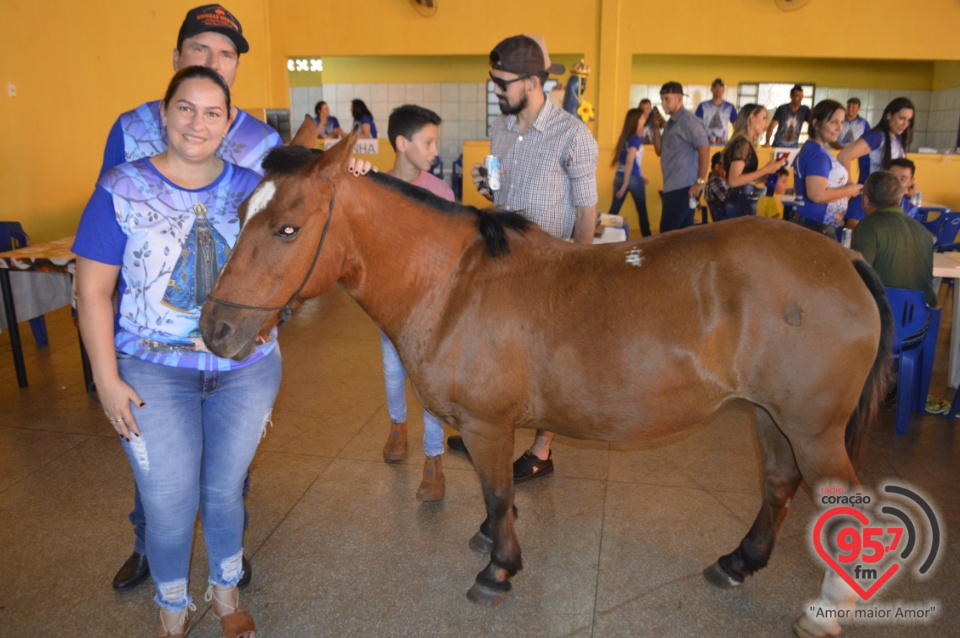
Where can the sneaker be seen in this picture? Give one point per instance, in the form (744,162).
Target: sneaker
(529,467)
(456,443)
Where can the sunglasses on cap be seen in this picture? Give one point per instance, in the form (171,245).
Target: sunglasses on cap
(502,84)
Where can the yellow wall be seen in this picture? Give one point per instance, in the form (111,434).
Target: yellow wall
(404,69)
(946,74)
(393,28)
(76,66)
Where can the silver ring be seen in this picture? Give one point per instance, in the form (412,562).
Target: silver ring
(119,420)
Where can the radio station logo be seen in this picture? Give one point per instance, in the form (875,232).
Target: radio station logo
(869,542)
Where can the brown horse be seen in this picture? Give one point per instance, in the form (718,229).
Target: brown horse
(501,326)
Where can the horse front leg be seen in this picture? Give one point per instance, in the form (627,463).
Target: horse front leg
(491,448)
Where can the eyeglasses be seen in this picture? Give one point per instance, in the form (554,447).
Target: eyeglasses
(502,84)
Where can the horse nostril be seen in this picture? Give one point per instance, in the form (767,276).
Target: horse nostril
(222,331)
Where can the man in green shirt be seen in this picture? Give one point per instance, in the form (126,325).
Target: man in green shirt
(899,248)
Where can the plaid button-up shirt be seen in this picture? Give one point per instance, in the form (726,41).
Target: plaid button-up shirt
(547,171)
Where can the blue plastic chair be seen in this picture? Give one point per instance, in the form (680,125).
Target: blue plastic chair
(944,228)
(436,169)
(11,238)
(915,343)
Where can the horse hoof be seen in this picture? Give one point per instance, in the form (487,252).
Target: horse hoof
(719,578)
(481,543)
(486,596)
(804,627)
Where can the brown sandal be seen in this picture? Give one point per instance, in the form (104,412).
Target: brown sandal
(178,629)
(237,622)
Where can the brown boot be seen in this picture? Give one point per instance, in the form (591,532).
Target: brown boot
(433,483)
(396,448)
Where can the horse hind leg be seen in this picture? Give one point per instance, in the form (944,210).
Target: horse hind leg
(781,476)
(827,462)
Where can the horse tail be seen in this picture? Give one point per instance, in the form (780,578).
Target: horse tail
(875,388)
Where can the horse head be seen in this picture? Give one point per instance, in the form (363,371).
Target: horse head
(285,251)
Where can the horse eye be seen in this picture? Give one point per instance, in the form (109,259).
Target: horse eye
(288,231)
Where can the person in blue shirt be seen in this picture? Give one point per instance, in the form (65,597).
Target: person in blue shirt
(210,36)
(627,156)
(158,230)
(717,114)
(886,141)
(822,183)
(854,126)
(363,118)
(788,119)
(327,125)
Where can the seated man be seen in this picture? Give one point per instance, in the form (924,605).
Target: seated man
(898,247)
(905,170)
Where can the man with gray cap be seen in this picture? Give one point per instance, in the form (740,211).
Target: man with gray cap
(684,152)
(549,173)
(212,37)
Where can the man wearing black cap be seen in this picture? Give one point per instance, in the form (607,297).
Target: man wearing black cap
(210,36)
(549,173)
(684,152)
(854,126)
(717,114)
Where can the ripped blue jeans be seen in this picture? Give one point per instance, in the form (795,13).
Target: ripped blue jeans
(199,432)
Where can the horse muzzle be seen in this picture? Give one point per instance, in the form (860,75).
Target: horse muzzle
(228,332)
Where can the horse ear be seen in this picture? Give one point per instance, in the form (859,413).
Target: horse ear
(338,155)
(306,135)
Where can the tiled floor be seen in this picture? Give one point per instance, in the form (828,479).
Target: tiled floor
(614,541)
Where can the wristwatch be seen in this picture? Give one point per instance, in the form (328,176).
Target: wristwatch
(701,181)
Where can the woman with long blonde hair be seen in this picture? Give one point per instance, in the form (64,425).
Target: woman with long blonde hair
(741,163)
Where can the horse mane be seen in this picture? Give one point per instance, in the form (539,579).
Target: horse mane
(492,223)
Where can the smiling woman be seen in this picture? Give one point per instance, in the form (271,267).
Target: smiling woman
(166,224)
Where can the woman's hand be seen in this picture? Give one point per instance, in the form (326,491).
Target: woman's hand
(358,166)
(620,194)
(116,397)
(774,165)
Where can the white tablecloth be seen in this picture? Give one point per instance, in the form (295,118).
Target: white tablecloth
(37,293)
